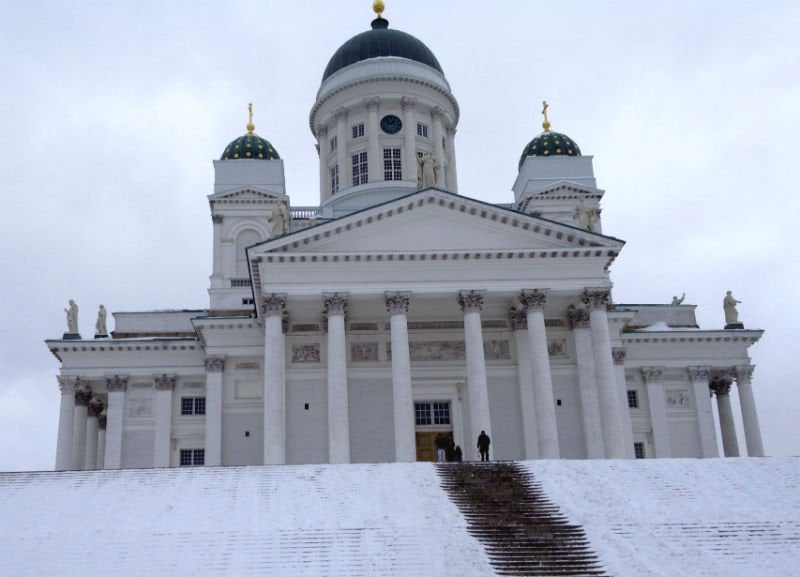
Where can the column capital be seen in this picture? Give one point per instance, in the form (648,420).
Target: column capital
(372,103)
(216,218)
(744,373)
(471,301)
(533,300)
(618,354)
(165,382)
(340,113)
(578,318)
(652,374)
(117,383)
(720,386)
(396,303)
(273,304)
(518,320)
(215,364)
(698,373)
(322,131)
(596,298)
(437,112)
(83,394)
(96,407)
(335,303)
(408,102)
(66,384)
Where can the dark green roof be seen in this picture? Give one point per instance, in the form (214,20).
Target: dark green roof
(550,144)
(380,41)
(249,146)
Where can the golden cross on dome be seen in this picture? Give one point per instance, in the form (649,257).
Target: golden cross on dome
(250,126)
(546,123)
(378,6)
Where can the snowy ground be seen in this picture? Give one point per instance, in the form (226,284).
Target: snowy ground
(651,517)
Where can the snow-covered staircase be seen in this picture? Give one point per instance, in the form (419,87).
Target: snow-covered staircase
(522,531)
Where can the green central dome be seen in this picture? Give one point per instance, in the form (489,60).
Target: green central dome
(550,144)
(380,41)
(250,145)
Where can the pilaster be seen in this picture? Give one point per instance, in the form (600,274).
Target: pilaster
(375,168)
(410,142)
(618,356)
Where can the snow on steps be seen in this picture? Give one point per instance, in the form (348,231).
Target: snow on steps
(650,517)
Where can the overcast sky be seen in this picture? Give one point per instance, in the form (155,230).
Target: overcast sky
(112,113)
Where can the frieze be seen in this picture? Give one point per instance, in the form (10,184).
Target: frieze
(363,352)
(435,325)
(248,366)
(305,353)
(678,399)
(557,348)
(554,323)
(306,328)
(363,326)
(496,350)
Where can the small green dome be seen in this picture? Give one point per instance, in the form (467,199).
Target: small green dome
(550,144)
(247,146)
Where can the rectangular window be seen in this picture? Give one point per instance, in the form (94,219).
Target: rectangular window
(334,179)
(358,130)
(638,450)
(441,413)
(422,130)
(334,143)
(360,171)
(392,164)
(192,457)
(193,406)
(633,399)
(435,413)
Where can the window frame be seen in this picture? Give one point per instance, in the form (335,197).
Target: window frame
(360,167)
(357,130)
(193,406)
(392,163)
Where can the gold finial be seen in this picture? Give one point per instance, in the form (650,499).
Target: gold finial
(378,6)
(546,123)
(250,126)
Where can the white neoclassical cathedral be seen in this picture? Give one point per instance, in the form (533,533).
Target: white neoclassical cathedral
(398,310)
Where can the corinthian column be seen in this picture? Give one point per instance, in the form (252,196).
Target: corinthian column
(345,168)
(705,417)
(374,157)
(533,305)
(101,439)
(590,407)
(437,133)
(114,421)
(409,140)
(214,368)
(338,406)
(95,408)
(657,403)
(479,415)
(162,440)
(519,324)
(752,432)
(721,386)
(274,380)
(404,441)
(613,437)
(83,394)
(66,419)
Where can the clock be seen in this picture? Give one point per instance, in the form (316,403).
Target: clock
(390,124)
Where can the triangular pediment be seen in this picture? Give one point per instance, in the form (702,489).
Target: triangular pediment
(246,193)
(434,220)
(566,188)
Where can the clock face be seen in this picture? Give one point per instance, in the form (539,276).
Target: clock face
(390,124)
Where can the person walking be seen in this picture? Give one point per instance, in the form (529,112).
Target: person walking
(483,445)
(441,447)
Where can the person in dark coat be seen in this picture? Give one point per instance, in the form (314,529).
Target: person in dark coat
(450,451)
(457,456)
(483,445)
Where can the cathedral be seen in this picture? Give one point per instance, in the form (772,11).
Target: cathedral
(399,311)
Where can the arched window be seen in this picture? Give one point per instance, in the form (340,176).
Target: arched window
(244,239)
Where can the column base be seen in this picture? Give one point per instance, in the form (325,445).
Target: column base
(730,326)
(72,337)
